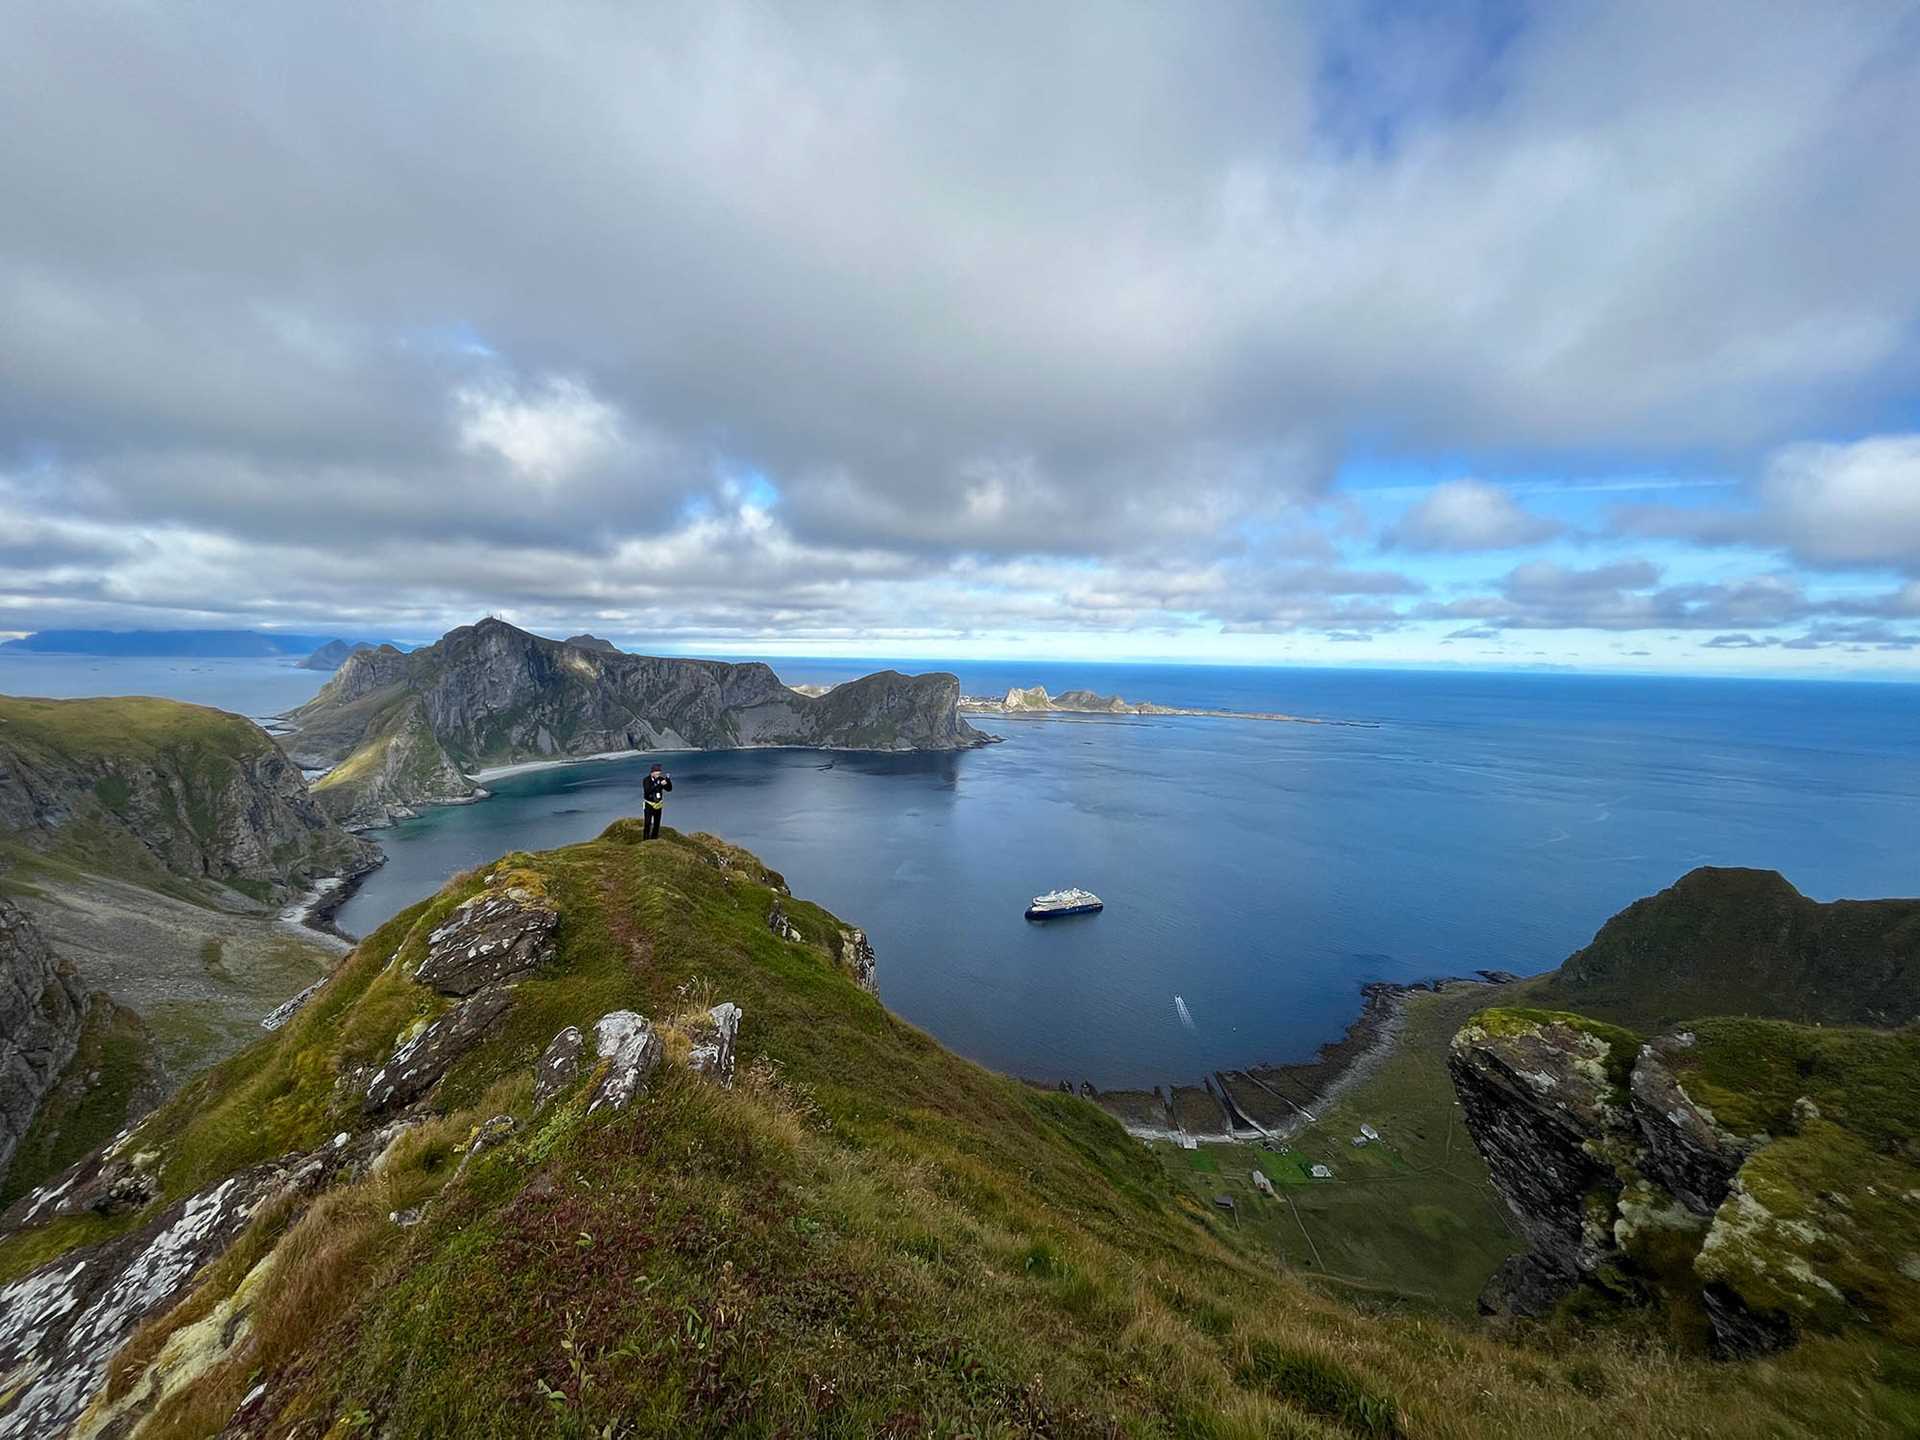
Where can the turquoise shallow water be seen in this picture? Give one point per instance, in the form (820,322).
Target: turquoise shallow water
(1258,872)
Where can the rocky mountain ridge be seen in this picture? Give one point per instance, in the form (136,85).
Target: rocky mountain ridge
(615,1139)
(397,731)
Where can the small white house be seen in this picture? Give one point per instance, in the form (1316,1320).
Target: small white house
(1262,1184)
(1321,1172)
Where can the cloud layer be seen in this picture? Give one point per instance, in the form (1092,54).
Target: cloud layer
(725,321)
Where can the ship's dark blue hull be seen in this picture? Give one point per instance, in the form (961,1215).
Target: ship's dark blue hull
(1033,914)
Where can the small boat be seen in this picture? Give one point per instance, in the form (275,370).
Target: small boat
(1064,902)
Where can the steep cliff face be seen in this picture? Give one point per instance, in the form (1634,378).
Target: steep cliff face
(491,694)
(42,1011)
(397,768)
(174,796)
(1745,942)
(1761,1176)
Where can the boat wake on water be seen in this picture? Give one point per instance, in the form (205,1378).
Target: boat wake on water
(1186,1016)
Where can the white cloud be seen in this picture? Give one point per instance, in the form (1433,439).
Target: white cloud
(559,431)
(1846,505)
(1468,515)
(1829,506)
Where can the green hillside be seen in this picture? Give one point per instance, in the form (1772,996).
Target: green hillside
(175,797)
(864,1235)
(1745,942)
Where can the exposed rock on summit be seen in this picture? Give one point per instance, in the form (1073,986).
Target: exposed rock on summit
(630,1049)
(490,939)
(423,1058)
(559,1066)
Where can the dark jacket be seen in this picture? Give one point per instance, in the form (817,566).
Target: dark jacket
(655,788)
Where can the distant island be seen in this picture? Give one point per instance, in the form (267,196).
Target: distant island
(188,644)
(1034,700)
(391,731)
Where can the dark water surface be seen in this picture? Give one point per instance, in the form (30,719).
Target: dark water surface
(1259,872)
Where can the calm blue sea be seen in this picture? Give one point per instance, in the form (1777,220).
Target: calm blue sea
(1258,872)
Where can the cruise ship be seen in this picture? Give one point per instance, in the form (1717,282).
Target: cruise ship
(1056,903)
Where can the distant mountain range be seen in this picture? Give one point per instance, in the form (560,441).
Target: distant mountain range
(194,644)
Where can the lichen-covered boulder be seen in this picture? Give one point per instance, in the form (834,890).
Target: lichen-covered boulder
(1684,1148)
(61,1324)
(856,958)
(492,938)
(1763,1174)
(713,1043)
(630,1049)
(559,1065)
(422,1059)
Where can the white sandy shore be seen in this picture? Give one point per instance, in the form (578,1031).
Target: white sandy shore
(496,772)
(295,915)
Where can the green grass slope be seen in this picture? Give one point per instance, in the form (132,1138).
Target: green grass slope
(865,1236)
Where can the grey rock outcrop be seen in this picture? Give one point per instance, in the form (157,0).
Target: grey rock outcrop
(630,1048)
(42,1011)
(713,1044)
(1551,1127)
(61,1324)
(559,1065)
(857,959)
(1624,1181)
(1684,1149)
(398,729)
(780,925)
(490,939)
(422,1059)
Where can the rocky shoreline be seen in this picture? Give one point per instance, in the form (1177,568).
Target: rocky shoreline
(1273,1102)
(315,910)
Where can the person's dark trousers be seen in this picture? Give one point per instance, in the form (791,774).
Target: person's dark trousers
(652,830)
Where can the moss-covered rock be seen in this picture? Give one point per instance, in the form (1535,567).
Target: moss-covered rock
(1759,1175)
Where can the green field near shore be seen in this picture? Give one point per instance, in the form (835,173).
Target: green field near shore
(1410,1217)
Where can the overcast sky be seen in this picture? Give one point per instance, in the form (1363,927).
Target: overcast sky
(1486,334)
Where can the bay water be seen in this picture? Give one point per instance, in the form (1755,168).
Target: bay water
(1256,873)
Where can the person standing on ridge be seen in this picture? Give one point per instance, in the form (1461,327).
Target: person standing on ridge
(654,790)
